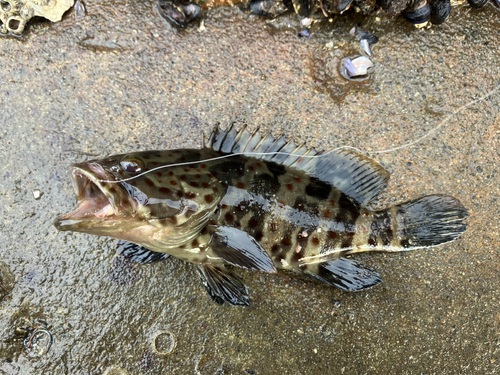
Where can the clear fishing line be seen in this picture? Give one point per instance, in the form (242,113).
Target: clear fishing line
(420,139)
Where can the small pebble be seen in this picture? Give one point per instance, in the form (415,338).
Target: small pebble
(37,194)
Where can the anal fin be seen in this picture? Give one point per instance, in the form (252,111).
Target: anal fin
(138,254)
(222,285)
(346,274)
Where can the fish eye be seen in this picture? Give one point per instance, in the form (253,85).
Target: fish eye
(132,166)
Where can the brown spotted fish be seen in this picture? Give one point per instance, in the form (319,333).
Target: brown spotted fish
(258,203)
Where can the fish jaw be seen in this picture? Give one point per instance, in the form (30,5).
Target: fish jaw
(103,204)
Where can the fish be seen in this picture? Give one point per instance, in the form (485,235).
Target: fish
(255,202)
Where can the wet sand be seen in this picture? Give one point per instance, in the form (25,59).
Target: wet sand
(121,80)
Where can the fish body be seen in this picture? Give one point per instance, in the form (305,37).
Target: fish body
(258,203)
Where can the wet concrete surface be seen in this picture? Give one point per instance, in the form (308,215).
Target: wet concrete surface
(121,79)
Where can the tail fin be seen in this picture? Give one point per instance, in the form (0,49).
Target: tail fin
(430,221)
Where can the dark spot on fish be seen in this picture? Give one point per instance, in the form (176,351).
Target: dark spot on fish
(170,155)
(332,203)
(251,168)
(215,189)
(327,214)
(229,216)
(205,184)
(286,241)
(149,182)
(190,195)
(158,155)
(183,177)
(173,182)
(275,249)
(296,256)
(315,241)
(170,173)
(289,187)
(195,243)
(387,237)
(372,241)
(258,164)
(164,190)
(159,174)
(186,169)
(182,158)
(180,193)
(154,162)
(258,235)
(346,205)
(194,184)
(273,227)
(223,206)
(209,198)
(347,242)
(253,223)
(366,213)
(332,234)
(318,189)
(203,165)
(197,176)
(240,185)
(297,179)
(146,157)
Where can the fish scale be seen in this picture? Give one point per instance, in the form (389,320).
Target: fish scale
(254,202)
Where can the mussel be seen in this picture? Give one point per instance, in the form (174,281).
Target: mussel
(178,13)
(418,13)
(440,11)
(268,8)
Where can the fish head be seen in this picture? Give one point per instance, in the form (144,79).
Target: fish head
(145,198)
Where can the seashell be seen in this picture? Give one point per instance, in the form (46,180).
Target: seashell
(268,8)
(178,14)
(356,68)
(418,13)
(477,3)
(440,11)
(304,33)
(80,8)
(343,5)
(15,14)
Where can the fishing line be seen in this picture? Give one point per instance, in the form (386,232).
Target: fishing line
(420,139)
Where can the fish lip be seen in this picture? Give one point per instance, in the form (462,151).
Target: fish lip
(100,198)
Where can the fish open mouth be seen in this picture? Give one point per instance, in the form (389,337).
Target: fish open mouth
(99,199)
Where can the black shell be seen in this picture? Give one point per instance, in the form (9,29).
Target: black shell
(417,14)
(178,14)
(268,8)
(477,3)
(440,11)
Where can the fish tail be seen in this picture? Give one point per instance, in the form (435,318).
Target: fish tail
(430,221)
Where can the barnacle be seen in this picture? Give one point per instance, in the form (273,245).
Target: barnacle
(15,14)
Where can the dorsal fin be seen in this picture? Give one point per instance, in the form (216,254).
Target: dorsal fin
(357,176)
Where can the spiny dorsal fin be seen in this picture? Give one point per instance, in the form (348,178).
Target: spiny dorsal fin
(357,176)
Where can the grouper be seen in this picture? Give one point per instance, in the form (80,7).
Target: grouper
(256,202)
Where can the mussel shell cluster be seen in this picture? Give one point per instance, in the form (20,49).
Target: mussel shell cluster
(418,12)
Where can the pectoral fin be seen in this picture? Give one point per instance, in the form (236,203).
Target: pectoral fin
(346,274)
(238,248)
(223,286)
(138,254)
